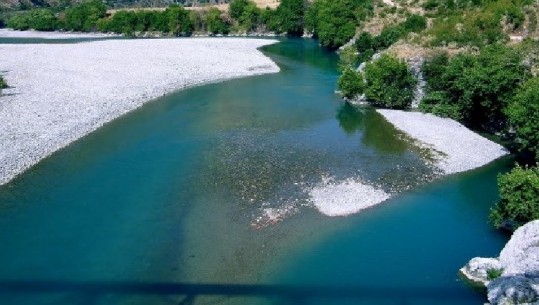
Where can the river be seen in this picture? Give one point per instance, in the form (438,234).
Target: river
(202,197)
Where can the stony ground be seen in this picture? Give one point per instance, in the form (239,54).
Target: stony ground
(61,92)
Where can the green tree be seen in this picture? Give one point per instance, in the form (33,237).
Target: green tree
(237,7)
(215,23)
(351,83)
(3,84)
(179,22)
(290,14)
(389,83)
(84,16)
(519,198)
(250,18)
(334,21)
(523,113)
(479,87)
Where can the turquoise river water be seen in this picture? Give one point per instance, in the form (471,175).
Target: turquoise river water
(169,204)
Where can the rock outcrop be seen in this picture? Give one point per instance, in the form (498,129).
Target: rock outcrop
(513,277)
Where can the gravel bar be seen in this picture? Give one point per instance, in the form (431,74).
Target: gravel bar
(8,33)
(61,92)
(460,149)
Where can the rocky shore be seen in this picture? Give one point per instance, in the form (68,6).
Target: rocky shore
(61,92)
(513,277)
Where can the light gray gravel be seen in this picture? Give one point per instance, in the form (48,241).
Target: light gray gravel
(7,33)
(61,92)
(460,149)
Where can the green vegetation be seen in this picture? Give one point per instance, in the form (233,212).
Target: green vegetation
(334,21)
(474,89)
(38,19)
(215,22)
(493,274)
(3,84)
(523,114)
(351,83)
(474,23)
(519,193)
(389,83)
(290,17)
(83,17)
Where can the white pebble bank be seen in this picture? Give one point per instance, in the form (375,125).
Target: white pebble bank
(457,149)
(345,197)
(61,92)
(8,33)
(461,148)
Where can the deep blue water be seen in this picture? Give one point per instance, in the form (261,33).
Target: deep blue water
(161,205)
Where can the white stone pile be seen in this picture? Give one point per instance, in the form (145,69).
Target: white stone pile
(61,92)
(459,149)
(516,270)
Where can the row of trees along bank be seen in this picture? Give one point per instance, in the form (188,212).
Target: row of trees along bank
(332,21)
(488,85)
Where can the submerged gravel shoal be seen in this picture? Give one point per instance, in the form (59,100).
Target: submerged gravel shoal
(61,92)
(461,149)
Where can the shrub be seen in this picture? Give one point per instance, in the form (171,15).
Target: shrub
(523,113)
(388,36)
(389,83)
(351,83)
(334,21)
(290,14)
(519,198)
(215,23)
(84,16)
(415,23)
(364,42)
(479,87)
(493,274)
(3,84)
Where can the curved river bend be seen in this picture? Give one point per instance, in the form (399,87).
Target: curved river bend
(201,197)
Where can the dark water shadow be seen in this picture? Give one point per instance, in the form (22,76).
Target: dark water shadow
(91,291)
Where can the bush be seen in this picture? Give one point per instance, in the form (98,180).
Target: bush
(3,84)
(415,23)
(290,14)
(215,23)
(351,83)
(523,113)
(364,42)
(83,17)
(388,36)
(237,7)
(493,273)
(389,83)
(479,87)
(519,198)
(334,21)
(37,19)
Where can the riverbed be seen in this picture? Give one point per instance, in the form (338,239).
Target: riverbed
(203,197)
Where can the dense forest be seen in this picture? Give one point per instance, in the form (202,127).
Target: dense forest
(478,60)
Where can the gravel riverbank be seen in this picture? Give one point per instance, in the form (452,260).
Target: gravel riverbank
(61,92)
(8,33)
(454,149)
(457,148)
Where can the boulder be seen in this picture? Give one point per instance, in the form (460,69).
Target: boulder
(518,268)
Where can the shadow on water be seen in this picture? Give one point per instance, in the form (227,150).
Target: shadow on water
(92,291)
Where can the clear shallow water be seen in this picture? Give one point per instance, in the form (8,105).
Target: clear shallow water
(168,204)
